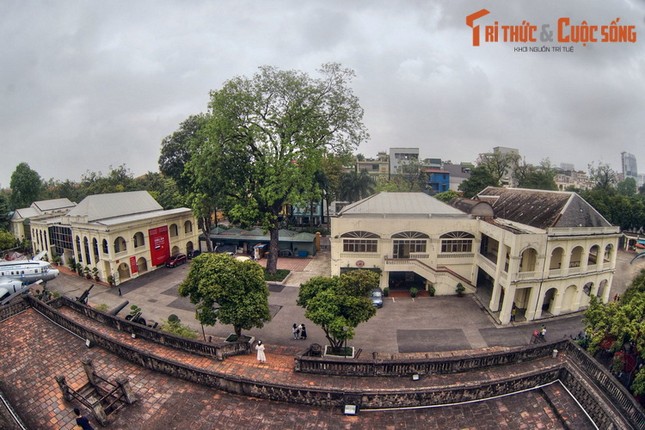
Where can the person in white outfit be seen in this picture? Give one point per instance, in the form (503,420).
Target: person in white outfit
(262,358)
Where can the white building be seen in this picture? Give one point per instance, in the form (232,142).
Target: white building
(21,218)
(122,235)
(542,252)
(399,157)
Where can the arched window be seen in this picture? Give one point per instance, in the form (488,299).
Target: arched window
(556,258)
(608,250)
(79,252)
(139,239)
(188,227)
(119,245)
(576,257)
(86,246)
(173,230)
(592,258)
(457,242)
(95,248)
(360,241)
(106,250)
(408,242)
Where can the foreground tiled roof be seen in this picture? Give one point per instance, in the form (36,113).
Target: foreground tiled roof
(165,402)
(542,209)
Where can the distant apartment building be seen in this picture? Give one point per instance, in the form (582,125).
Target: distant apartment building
(375,166)
(438,180)
(458,174)
(400,157)
(572,179)
(628,164)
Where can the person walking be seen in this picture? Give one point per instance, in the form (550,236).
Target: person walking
(262,358)
(294,331)
(303,332)
(543,332)
(82,421)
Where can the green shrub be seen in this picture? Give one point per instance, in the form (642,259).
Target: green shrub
(414,291)
(102,307)
(431,290)
(386,292)
(460,289)
(278,276)
(178,329)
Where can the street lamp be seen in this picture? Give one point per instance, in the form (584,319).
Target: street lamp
(345,329)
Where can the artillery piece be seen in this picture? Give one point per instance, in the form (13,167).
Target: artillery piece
(86,294)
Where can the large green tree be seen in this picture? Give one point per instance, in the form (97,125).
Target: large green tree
(480,178)
(267,136)
(7,241)
(622,322)
(355,186)
(227,290)
(339,304)
(4,212)
(540,177)
(26,186)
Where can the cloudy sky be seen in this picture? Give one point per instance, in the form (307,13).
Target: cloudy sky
(87,84)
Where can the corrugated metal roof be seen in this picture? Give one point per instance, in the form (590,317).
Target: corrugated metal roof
(142,216)
(387,203)
(104,206)
(53,204)
(25,213)
(542,209)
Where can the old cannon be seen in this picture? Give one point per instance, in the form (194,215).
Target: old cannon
(118,309)
(86,294)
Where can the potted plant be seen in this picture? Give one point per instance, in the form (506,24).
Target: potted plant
(111,280)
(431,290)
(414,291)
(95,274)
(386,292)
(87,272)
(460,290)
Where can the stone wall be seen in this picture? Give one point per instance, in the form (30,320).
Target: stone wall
(13,309)
(219,350)
(461,362)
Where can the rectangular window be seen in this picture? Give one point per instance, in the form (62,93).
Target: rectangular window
(456,245)
(360,245)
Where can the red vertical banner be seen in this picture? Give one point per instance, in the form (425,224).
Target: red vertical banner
(159,245)
(133,265)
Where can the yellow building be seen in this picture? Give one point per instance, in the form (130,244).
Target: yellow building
(542,253)
(122,235)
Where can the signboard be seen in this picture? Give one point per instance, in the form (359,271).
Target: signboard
(133,265)
(159,245)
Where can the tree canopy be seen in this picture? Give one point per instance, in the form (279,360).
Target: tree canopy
(26,186)
(266,136)
(227,290)
(339,304)
(621,323)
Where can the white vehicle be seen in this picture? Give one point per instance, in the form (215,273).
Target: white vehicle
(17,276)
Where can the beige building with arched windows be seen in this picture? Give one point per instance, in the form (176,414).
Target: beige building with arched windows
(122,235)
(542,253)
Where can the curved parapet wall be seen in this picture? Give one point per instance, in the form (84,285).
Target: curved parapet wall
(604,399)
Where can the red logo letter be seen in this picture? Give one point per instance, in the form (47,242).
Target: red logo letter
(470,19)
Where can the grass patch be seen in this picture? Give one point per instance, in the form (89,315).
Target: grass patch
(278,276)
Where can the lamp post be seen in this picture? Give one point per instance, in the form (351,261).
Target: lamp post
(345,328)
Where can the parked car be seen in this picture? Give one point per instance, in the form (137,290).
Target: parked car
(376,295)
(194,253)
(176,260)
